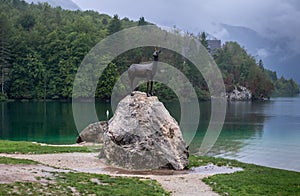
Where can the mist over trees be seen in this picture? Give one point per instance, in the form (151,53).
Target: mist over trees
(42,47)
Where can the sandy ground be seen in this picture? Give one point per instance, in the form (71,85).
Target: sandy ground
(177,182)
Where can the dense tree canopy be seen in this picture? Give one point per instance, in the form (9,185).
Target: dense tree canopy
(47,45)
(5,50)
(42,47)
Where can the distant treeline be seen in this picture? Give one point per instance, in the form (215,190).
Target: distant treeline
(42,47)
(240,68)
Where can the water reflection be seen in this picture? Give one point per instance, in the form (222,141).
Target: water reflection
(37,121)
(279,145)
(265,133)
(243,121)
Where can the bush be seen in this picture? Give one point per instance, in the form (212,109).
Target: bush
(3,97)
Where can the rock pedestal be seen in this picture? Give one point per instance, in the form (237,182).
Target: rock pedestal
(143,135)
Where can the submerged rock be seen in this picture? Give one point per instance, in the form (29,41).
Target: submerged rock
(143,135)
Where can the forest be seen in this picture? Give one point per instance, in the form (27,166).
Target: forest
(42,47)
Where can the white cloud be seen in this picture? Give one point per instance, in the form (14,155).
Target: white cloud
(262,53)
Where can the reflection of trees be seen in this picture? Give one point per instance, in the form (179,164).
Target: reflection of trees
(50,122)
(244,120)
(4,118)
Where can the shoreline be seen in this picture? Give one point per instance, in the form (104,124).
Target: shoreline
(89,144)
(177,182)
(247,178)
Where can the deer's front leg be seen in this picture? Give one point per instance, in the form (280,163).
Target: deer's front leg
(131,87)
(148,89)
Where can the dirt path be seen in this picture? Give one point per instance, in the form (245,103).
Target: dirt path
(179,183)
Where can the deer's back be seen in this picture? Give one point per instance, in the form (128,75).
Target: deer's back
(140,70)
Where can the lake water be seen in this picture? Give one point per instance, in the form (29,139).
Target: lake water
(265,133)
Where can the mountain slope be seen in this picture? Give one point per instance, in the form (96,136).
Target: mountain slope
(275,54)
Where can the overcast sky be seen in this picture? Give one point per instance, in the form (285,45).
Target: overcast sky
(269,17)
(272,19)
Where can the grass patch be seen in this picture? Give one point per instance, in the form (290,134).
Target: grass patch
(7,160)
(254,180)
(86,184)
(12,147)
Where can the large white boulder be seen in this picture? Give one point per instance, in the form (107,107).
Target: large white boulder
(143,135)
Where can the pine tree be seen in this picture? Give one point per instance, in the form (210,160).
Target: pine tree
(5,51)
(114,25)
(261,65)
(142,21)
(203,39)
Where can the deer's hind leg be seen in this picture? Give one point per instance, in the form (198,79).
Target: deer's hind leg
(151,87)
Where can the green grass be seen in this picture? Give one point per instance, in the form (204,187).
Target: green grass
(7,160)
(254,180)
(12,147)
(86,184)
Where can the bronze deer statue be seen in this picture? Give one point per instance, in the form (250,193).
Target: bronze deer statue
(147,71)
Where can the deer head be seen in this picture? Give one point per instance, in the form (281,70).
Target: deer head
(155,54)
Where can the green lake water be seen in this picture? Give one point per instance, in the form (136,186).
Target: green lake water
(265,133)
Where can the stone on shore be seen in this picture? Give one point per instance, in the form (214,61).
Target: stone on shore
(143,135)
(93,133)
(240,93)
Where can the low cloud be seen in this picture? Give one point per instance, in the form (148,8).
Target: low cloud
(272,19)
(276,22)
(262,53)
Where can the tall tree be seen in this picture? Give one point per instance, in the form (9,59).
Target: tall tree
(203,39)
(142,21)
(114,25)
(261,65)
(107,82)
(27,21)
(5,50)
